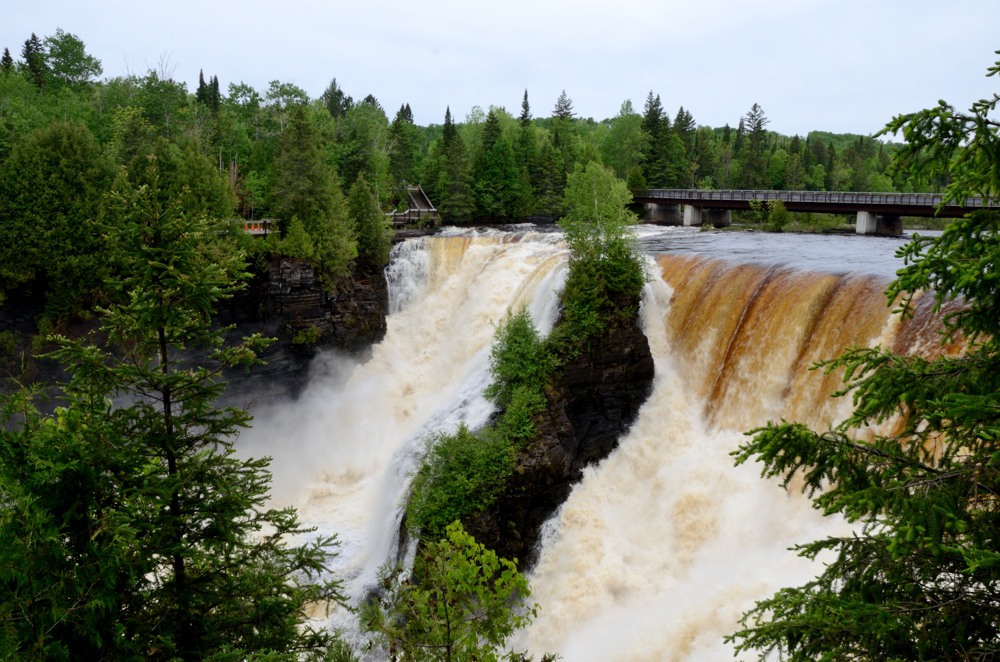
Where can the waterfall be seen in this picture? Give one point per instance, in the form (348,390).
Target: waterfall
(660,549)
(663,545)
(344,451)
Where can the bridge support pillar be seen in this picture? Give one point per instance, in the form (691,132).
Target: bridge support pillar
(720,218)
(871,223)
(692,215)
(663,214)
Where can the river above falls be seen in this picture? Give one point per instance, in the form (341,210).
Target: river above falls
(825,253)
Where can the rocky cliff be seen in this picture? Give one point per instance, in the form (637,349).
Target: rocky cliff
(287,301)
(284,300)
(594,400)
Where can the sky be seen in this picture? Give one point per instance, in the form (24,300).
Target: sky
(844,66)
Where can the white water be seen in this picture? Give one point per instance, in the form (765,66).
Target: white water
(658,550)
(343,453)
(661,547)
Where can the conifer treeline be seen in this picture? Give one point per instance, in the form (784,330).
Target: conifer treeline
(277,153)
(491,166)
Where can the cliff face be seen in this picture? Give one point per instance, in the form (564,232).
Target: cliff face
(288,302)
(595,399)
(284,301)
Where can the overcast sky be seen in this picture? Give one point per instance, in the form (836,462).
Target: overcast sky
(831,65)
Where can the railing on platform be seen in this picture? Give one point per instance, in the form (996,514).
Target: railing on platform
(259,228)
(819,197)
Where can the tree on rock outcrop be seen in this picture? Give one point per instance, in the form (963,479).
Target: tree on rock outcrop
(918,579)
(604,262)
(306,187)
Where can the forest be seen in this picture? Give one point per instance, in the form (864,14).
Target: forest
(67,134)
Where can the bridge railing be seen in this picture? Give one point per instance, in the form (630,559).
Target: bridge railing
(930,200)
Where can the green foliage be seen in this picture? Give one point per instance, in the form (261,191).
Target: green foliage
(605,266)
(69,61)
(461,473)
(771,214)
(464,472)
(373,231)
(297,242)
(51,188)
(307,337)
(463,602)
(518,358)
(917,581)
(307,188)
(132,531)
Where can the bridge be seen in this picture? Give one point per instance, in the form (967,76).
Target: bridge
(877,213)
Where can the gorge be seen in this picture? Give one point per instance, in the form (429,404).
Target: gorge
(662,545)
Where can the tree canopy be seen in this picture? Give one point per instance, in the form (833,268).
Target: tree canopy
(132,530)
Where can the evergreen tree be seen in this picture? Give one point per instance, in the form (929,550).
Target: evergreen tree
(214,96)
(335,101)
(404,152)
(365,136)
(201,94)
(51,189)
(685,127)
(463,602)
(661,153)
(755,154)
(917,579)
(132,531)
(548,185)
(526,157)
(307,188)
(497,176)
(564,107)
(6,62)
(448,172)
(370,225)
(33,60)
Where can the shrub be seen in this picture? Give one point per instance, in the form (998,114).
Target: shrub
(460,474)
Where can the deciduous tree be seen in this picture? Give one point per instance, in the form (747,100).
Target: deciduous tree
(68,60)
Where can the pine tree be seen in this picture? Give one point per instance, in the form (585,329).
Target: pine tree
(497,176)
(33,60)
(525,118)
(6,62)
(449,175)
(564,107)
(918,578)
(201,94)
(462,603)
(132,531)
(370,226)
(756,150)
(404,152)
(335,101)
(659,161)
(307,188)
(214,96)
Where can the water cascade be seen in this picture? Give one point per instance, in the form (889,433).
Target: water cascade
(660,547)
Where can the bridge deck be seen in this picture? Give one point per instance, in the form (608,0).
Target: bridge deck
(889,204)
